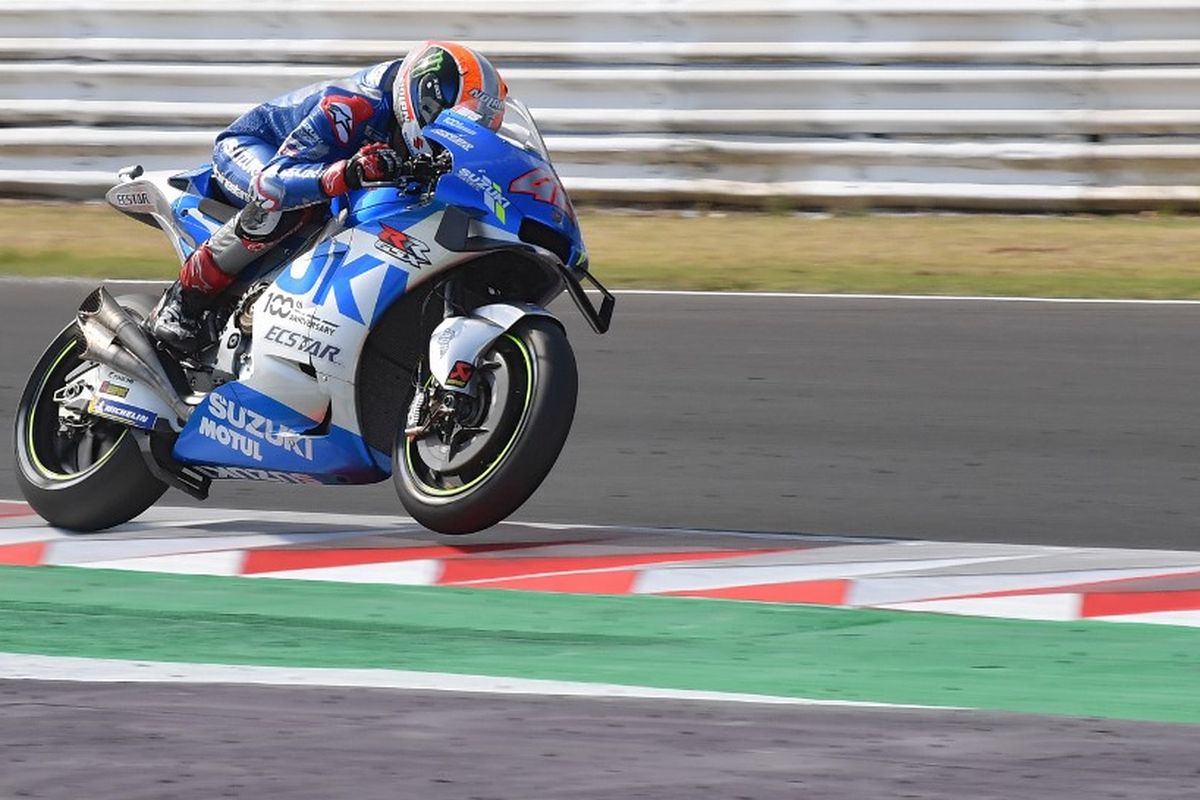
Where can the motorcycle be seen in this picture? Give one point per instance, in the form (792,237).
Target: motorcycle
(406,336)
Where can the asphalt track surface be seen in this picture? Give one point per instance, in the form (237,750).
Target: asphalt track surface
(128,742)
(949,420)
(1049,424)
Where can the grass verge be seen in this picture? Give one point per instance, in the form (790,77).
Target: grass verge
(1145,256)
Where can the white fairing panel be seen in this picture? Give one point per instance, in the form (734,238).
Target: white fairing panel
(508,314)
(151,194)
(464,339)
(459,340)
(310,326)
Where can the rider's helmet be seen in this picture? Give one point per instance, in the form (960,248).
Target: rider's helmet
(435,76)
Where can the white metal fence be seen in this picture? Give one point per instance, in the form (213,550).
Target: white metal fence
(1029,104)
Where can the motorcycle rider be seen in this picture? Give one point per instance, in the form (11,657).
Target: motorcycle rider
(282,161)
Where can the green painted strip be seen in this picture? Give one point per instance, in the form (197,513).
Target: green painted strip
(1093,669)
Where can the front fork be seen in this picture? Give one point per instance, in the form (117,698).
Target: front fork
(449,398)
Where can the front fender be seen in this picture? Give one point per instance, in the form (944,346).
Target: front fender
(462,340)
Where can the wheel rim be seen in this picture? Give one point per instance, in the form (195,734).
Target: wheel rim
(509,391)
(65,458)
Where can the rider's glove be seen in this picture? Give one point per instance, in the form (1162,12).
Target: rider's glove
(375,162)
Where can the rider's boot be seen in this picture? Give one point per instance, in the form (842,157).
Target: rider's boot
(179,318)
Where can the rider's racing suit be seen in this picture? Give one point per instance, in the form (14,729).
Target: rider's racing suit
(277,163)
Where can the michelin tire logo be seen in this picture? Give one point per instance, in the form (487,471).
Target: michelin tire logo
(138,417)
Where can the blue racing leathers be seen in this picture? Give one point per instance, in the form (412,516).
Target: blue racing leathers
(270,161)
(274,154)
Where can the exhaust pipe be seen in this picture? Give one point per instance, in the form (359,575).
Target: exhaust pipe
(113,338)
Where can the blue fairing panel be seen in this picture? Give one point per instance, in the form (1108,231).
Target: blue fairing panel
(508,184)
(194,222)
(198,179)
(239,427)
(331,272)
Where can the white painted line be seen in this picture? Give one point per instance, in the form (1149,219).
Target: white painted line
(76,552)
(963,298)
(1063,607)
(24,534)
(420,572)
(690,533)
(105,670)
(70,279)
(224,562)
(899,588)
(1190,619)
(686,578)
(921,297)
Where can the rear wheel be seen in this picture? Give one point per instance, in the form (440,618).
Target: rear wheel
(484,455)
(77,471)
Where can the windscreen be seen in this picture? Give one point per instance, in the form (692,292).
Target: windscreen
(520,129)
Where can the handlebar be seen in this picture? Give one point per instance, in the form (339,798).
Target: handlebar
(420,168)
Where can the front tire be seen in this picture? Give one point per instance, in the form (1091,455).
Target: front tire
(91,479)
(529,404)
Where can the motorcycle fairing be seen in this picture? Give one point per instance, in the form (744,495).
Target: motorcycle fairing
(198,225)
(237,426)
(294,407)
(123,399)
(150,199)
(462,340)
(309,329)
(509,184)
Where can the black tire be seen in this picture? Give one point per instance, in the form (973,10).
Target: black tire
(537,369)
(89,484)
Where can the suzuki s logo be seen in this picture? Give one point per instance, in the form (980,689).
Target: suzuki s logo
(493,195)
(239,428)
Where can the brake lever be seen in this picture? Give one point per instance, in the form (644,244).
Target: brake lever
(422,169)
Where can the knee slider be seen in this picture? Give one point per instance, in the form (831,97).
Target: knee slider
(259,228)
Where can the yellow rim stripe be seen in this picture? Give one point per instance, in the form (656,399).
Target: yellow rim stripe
(29,425)
(491,467)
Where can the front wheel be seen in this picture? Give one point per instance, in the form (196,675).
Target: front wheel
(490,451)
(78,472)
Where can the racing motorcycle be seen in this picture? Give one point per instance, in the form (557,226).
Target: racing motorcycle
(405,336)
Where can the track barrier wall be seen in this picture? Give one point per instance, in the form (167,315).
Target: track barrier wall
(1028,105)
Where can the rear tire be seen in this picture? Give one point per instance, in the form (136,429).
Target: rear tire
(94,481)
(536,369)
